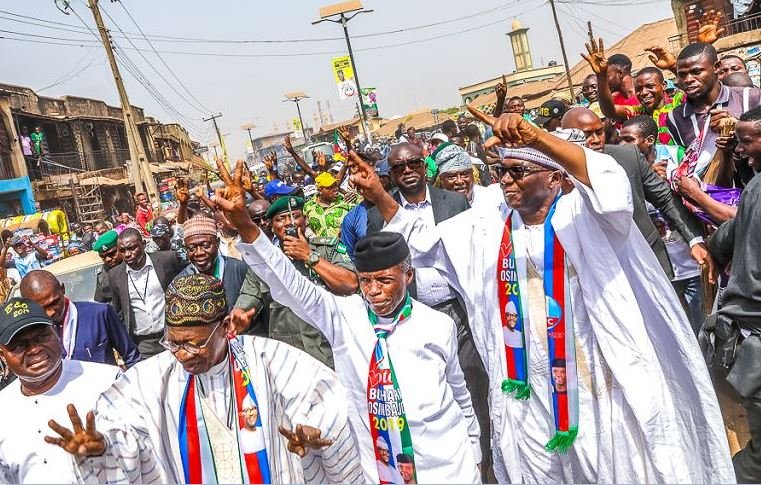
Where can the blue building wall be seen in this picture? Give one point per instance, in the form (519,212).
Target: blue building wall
(16,191)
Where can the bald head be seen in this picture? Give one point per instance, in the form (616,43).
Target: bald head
(405,150)
(161,220)
(588,122)
(38,281)
(258,208)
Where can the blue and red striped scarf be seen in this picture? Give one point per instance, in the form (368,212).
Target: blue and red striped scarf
(560,334)
(195,447)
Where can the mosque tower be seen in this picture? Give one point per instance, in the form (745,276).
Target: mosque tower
(521,50)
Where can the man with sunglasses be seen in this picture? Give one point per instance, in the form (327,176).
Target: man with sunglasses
(45,384)
(637,404)
(242,287)
(434,205)
(257,210)
(185,416)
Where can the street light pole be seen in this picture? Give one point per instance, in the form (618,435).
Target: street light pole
(296,98)
(340,10)
(248,127)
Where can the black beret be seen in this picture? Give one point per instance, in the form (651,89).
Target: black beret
(380,251)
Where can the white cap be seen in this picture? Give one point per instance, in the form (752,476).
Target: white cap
(441,137)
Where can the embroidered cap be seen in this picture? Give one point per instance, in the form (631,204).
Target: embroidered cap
(199,226)
(379,251)
(529,155)
(195,300)
(18,314)
(453,158)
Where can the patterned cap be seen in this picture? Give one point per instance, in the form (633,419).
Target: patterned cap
(453,158)
(199,226)
(529,155)
(194,301)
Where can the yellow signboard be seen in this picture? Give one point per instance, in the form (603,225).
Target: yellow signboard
(344,76)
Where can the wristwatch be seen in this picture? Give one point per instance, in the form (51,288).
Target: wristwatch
(312,259)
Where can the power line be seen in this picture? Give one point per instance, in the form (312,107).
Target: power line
(73,73)
(179,81)
(166,38)
(319,53)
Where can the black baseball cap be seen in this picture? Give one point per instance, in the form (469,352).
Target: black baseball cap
(18,314)
(548,110)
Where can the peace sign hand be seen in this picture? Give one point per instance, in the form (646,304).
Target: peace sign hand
(511,128)
(81,441)
(596,58)
(231,200)
(304,437)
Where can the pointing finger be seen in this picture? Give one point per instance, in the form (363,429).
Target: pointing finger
(482,117)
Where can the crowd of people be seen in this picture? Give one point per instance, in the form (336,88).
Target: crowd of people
(563,296)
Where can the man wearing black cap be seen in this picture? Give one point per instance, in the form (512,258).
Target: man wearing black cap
(30,349)
(396,357)
(550,114)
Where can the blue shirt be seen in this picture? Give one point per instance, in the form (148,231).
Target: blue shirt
(354,227)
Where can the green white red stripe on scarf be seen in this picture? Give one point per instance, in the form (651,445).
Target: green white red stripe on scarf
(389,428)
(561,348)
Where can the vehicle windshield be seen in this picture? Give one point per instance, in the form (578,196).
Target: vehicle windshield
(80,283)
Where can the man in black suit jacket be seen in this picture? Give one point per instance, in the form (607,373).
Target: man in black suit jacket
(138,285)
(646,187)
(407,170)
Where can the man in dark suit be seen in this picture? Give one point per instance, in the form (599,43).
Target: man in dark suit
(242,286)
(88,331)
(646,187)
(407,169)
(138,285)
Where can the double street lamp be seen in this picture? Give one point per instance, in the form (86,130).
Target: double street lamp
(341,13)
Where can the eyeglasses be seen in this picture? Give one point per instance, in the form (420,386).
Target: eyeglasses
(415,164)
(205,246)
(192,349)
(517,172)
(259,220)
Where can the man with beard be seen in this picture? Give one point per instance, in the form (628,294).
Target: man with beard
(177,418)
(577,256)
(46,384)
(736,350)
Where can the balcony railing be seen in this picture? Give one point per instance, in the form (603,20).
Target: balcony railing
(78,161)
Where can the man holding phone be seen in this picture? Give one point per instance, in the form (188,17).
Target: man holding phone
(323,260)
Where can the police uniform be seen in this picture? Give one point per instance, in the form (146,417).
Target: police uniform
(284,325)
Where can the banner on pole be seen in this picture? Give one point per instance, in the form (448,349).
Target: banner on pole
(344,76)
(296,124)
(370,100)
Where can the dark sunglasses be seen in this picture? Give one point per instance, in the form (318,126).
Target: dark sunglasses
(415,164)
(518,172)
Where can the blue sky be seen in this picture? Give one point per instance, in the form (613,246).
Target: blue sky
(421,74)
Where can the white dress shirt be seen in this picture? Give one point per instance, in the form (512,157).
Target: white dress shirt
(25,457)
(146,297)
(432,288)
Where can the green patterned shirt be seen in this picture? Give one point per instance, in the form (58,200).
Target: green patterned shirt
(326,221)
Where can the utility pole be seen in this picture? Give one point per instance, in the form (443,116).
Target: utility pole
(136,151)
(337,14)
(213,119)
(248,127)
(562,49)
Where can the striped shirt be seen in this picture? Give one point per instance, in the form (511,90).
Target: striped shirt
(139,417)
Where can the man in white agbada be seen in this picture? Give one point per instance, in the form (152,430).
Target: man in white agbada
(396,357)
(181,417)
(635,404)
(45,384)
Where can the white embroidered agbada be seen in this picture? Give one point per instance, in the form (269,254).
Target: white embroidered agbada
(444,429)
(648,411)
(139,417)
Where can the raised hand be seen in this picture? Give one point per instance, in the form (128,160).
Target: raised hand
(510,128)
(364,178)
(596,58)
(661,58)
(288,144)
(181,193)
(270,160)
(322,162)
(241,319)
(246,182)
(79,441)
(345,135)
(302,438)
(709,31)
(231,200)
(501,88)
